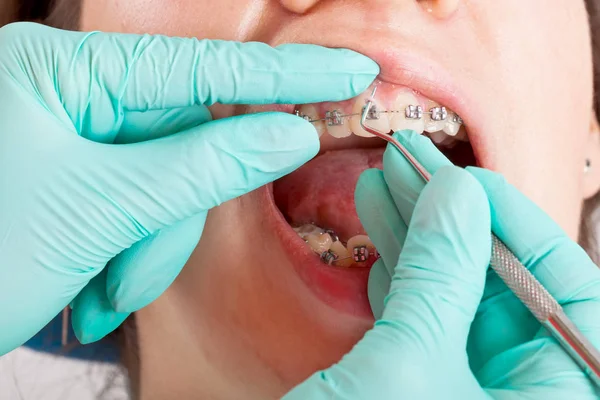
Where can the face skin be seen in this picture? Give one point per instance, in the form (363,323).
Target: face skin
(233,326)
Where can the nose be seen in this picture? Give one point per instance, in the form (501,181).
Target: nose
(438,8)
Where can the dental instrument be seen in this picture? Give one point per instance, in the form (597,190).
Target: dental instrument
(516,276)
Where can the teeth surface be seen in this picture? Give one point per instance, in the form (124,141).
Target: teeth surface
(438,137)
(339,131)
(381,124)
(431,125)
(344,259)
(359,241)
(319,243)
(308,229)
(398,120)
(453,124)
(462,135)
(311,111)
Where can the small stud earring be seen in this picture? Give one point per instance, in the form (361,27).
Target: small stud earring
(588,165)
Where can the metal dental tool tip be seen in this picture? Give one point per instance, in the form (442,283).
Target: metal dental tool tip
(519,280)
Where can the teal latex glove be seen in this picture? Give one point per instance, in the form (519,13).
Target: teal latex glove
(419,355)
(69,205)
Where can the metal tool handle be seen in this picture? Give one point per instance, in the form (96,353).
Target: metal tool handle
(545,308)
(522,282)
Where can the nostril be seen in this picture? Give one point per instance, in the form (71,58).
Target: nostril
(299,6)
(440,9)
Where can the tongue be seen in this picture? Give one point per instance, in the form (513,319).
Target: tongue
(322,191)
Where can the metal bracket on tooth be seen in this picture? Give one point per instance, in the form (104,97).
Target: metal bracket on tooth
(373,112)
(413,112)
(457,119)
(334,118)
(303,116)
(439,113)
(360,253)
(329,257)
(334,236)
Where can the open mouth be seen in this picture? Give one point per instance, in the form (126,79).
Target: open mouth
(331,250)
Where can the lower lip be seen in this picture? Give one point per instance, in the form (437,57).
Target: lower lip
(344,289)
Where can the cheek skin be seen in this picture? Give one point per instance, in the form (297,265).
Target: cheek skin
(223,19)
(539,141)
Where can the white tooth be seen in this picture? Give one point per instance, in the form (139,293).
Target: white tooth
(462,135)
(319,243)
(308,229)
(382,124)
(344,259)
(311,111)
(359,241)
(449,142)
(430,124)
(398,120)
(451,127)
(339,131)
(438,137)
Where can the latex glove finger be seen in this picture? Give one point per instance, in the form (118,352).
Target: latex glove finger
(93,72)
(441,271)
(560,265)
(379,216)
(404,182)
(385,217)
(95,318)
(140,274)
(378,287)
(381,220)
(138,126)
(423,332)
(160,182)
(135,278)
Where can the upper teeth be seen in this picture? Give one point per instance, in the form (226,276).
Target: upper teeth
(405,112)
(373,112)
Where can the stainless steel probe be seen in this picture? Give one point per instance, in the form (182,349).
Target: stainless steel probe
(518,279)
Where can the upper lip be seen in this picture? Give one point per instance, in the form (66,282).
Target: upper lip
(410,68)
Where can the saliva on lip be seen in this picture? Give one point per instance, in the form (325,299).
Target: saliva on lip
(358,251)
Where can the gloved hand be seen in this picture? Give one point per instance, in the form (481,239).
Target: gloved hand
(68,205)
(434,340)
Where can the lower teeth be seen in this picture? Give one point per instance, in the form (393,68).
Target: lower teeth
(358,251)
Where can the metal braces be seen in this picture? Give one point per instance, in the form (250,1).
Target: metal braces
(334,236)
(360,253)
(329,257)
(416,112)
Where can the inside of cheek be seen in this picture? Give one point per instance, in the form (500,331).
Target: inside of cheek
(333,246)
(461,154)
